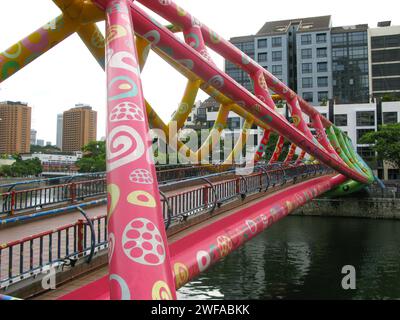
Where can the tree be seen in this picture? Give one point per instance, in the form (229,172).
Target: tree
(386,143)
(20,168)
(45,149)
(94,157)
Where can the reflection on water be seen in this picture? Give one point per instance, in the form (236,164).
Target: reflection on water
(302,258)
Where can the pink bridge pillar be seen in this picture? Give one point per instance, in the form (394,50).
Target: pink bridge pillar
(139,262)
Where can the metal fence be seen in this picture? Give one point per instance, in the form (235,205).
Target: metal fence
(30,256)
(33,255)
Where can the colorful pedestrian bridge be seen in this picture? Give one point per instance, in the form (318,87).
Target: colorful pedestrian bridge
(163,227)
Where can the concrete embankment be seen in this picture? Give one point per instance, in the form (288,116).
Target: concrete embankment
(372,208)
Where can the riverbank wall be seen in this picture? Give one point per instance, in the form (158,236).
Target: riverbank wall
(371,208)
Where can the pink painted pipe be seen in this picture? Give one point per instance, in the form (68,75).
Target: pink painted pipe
(139,263)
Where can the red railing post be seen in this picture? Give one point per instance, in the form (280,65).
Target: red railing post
(12,207)
(81,233)
(72,188)
(205,196)
(237,186)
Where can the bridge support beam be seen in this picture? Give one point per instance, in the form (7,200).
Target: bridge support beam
(139,269)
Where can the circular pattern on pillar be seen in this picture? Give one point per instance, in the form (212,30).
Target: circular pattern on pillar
(165,2)
(142,243)
(203,260)
(142,199)
(153,37)
(114,194)
(252,226)
(181,274)
(13,52)
(224,245)
(192,39)
(111,246)
(141,176)
(161,291)
(123,286)
(126,111)
(217,82)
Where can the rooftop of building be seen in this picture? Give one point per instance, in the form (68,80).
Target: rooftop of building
(210,102)
(353,28)
(14,103)
(304,25)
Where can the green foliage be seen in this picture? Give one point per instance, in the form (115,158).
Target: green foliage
(387,143)
(20,168)
(390,97)
(94,157)
(44,150)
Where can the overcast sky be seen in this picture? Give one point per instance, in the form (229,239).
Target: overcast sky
(68,74)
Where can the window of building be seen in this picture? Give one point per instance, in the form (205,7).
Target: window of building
(307,82)
(306,39)
(358,52)
(341,120)
(365,118)
(321,37)
(322,52)
(322,82)
(277,56)
(277,42)
(263,57)
(363,66)
(306,67)
(337,66)
(358,38)
(322,96)
(386,84)
(366,152)
(322,66)
(308,96)
(338,39)
(277,69)
(306,54)
(389,117)
(386,55)
(385,70)
(262,43)
(393,174)
(361,133)
(234,123)
(339,52)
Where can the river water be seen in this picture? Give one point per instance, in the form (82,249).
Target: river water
(303,257)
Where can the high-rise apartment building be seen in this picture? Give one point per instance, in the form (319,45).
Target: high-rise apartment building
(60,125)
(79,127)
(385,60)
(15,127)
(349,64)
(33,137)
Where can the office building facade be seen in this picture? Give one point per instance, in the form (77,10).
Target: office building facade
(15,127)
(79,128)
(350,64)
(384,42)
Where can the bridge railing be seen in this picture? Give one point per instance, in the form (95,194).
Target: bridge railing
(21,200)
(206,198)
(33,255)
